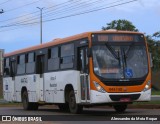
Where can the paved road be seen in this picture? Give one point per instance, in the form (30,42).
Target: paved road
(89,115)
(53,110)
(155,97)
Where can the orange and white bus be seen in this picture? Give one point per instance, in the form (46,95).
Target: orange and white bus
(92,68)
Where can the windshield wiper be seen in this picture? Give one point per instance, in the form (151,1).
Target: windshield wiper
(130,47)
(112,51)
(124,57)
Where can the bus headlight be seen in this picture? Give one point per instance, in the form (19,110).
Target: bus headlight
(147,86)
(98,87)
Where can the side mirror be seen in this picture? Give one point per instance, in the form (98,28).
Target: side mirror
(89,52)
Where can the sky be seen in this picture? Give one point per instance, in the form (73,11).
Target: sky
(20,27)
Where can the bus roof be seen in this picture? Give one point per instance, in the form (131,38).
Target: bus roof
(63,40)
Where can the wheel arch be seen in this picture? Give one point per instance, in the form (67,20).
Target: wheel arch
(67,89)
(22,90)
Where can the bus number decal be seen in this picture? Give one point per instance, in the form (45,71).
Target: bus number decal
(24,80)
(53,78)
(53,84)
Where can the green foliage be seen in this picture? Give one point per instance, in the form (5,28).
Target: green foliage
(155,92)
(156,34)
(154,49)
(120,25)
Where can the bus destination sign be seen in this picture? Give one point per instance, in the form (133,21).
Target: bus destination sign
(118,37)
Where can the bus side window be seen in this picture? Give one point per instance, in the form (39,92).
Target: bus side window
(30,63)
(13,68)
(6,71)
(6,67)
(82,60)
(53,59)
(21,64)
(67,56)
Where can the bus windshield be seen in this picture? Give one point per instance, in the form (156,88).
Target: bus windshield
(120,61)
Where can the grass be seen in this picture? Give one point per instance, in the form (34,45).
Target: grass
(154,92)
(1,97)
(147,103)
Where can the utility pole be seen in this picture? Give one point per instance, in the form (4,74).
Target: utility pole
(1,11)
(40,24)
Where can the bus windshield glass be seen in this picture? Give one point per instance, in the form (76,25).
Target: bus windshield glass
(120,60)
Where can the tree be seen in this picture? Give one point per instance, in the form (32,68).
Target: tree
(156,34)
(120,25)
(154,48)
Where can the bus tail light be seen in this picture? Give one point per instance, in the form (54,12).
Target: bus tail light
(147,86)
(98,87)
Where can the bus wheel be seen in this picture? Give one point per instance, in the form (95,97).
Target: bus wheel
(120,108)
(26,104)
(63,107)
(73,107)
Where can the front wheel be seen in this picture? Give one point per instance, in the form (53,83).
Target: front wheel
(73,107)
(120,108)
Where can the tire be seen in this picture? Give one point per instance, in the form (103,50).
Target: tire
(73,107)
(63,107)
(26,104)
(120,108)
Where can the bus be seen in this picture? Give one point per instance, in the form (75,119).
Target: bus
(93,68)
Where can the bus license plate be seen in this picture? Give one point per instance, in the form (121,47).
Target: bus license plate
(125,100)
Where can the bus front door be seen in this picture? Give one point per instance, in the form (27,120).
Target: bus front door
(84,74)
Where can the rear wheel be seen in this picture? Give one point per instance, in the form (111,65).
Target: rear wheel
(73,106)
(26,104)
(120,108)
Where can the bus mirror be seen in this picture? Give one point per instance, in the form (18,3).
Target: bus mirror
(89,52)
(151,61)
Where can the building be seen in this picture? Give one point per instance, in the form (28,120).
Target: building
(1,61)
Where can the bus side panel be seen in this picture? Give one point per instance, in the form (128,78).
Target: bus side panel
(55,83)
(18,86)
(8,89)
(27,82)
(32,85)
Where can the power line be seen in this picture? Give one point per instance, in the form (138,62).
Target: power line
(76,8)
(62,5)
(22,6)
(89,11)
(5,2)
(32,13)
(76,14)
(65,8)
